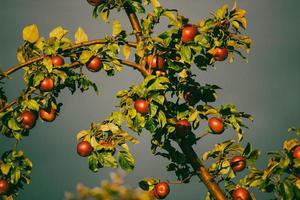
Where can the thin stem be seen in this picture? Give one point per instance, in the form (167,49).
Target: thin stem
(82,44)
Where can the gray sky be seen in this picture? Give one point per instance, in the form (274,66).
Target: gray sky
(267,87)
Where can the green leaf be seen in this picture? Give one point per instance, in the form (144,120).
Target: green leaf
(126,160)
(80,35)
(109,161)
(186,54)
(15,176)
(162,118)
(159,99)
(48,64)
(31,33)
(117,28)
(38,78)
(31,104)
(13,124)
(61,74)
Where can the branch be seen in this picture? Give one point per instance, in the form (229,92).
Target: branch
(134,21)
(15,101)
(82,44)
(202,172)
(136,66)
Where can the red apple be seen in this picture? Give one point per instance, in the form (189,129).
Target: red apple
(216,125)
(84,148)
(4,186)
(57,60)
(161,190)
(155,61)
(95,2)
(47,85)
(94,64)
(47,114)
(241,194)
(141,106)
(220,54)
(237,163)
(296,153)
(28,119)
(189,32)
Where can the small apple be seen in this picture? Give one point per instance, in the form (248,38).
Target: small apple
(57,60)
(188,33)
(141,106)
(95,2)
(238,163)
(47,85)
(4,186)
(47,114)
(160,72)
(28,119)
(183,127)
(84,148)
(155,61)
(241,194)
(216,125)
(161,190)
(296,153)
(94,64)
(220,54)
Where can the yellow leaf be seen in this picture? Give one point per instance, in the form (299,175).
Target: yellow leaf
(82,134)
(31,33)
(40,43)
(20,56)
(241,13)
(104,15)
(80,35)
(58,33)
(5,168)
(117,28)
(170,15)
(155,3)
(126,51)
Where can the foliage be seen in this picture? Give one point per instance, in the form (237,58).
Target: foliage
(172,96)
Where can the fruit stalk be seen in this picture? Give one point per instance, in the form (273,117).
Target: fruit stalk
(202,172)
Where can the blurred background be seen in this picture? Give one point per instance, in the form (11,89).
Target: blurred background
(267,87)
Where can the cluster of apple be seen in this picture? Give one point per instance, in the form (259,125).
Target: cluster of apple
(188,33)
(28,118)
